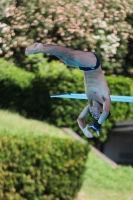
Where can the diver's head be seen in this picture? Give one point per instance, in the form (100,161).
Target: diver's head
(96,110)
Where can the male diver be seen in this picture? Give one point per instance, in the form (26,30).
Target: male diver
(96,88)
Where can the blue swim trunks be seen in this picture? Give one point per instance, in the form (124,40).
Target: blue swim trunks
(91,68)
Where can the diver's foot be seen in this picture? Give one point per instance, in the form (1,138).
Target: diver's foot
(34,48)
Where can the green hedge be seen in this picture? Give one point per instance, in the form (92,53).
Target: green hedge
(40,168)
(33,99)
(13,83)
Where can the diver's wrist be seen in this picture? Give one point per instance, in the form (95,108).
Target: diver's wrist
(97,124)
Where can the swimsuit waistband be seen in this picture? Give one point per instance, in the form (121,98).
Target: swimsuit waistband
(91,68)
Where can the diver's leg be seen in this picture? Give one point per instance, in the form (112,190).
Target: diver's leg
(73,58)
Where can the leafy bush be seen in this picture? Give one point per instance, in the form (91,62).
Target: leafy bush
(99,26)
(13,82)
(41,168)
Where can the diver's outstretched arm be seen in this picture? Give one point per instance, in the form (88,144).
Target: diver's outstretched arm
(82,116)
(106,110)
(81,122)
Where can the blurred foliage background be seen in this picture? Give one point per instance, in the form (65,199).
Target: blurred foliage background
(104,27)
(29,93)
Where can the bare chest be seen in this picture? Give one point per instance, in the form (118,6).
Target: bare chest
(94,94)
(96,87)
(96,91)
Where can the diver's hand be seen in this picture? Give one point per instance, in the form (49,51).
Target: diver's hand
(96,126)
(87,133)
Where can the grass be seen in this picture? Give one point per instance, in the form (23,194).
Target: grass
(102,182)
(13,123)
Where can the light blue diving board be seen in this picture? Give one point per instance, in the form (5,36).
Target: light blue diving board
(83,96)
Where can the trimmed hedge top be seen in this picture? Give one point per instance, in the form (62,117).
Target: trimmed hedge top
(40,167)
